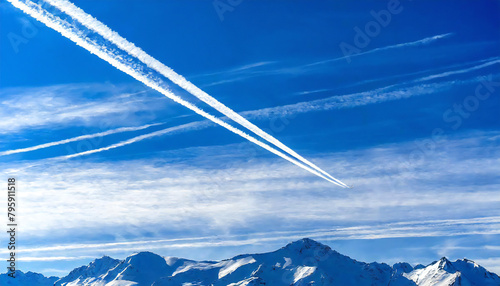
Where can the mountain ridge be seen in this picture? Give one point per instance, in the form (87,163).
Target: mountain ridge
(302,262)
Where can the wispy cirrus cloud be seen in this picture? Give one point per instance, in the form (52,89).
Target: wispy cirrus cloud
(180,128)
(488,63)
(334,102)
(157,204)
(280,68)
(79,104)
(407,229)
(253,190)
(247,69)
(78,138)
(419,76)
(420,42)
(53,258)
(491,264)
(393,92)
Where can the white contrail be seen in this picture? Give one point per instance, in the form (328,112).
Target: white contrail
(423,41)
(337,101)
(138,138)
(495,61)
(172,129)
(78,138)
(194,125)
(95,25)
(71,32)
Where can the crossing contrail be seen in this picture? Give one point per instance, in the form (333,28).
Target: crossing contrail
(78,138)
(147,74)
(180,127)
(192,125)
(112,36)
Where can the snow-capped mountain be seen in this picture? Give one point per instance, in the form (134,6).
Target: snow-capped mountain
(304,262)
(445,273)
(28,278)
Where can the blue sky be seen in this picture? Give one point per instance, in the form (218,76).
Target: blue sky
(410,120)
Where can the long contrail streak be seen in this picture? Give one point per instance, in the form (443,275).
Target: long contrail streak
(78,138)
(341,101)
(137,139)
(110,35)
(72,32)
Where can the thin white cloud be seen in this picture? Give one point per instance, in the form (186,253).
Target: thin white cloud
(244,69)
(433,228)
(53,258)
(163,196)
(384,94)
(183,127)
(434,74)
(491,264)
(345,101)
(78,138)
(299,69)
(251,190)
(334,102)
(420,42)
(312,91)
(62,105)
(58,272)
(494,61)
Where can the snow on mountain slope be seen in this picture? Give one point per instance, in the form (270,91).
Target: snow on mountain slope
(142,268)
(459,273)
(302,272)
(235,264)
(304,262)
(28,278)
(440,273)
(87,275)
(475,273)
